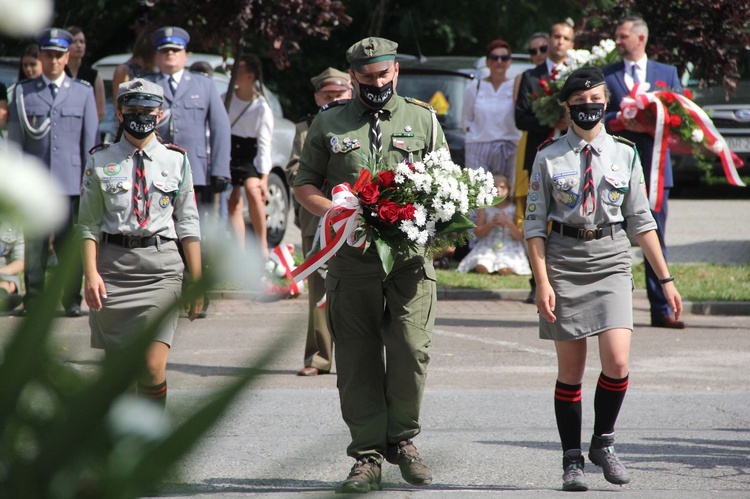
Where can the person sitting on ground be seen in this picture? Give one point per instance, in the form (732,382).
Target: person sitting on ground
(499,246)
(11,266)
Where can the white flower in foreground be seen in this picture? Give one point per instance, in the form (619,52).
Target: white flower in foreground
(608,45)
(29,197)
(697,135)
(718,146)
(22,19)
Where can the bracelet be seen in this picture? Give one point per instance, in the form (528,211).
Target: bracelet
(666,280)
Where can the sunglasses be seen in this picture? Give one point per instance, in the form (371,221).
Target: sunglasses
(493,57)
(542,49)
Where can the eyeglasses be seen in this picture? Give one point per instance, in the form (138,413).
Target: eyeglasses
(504,58)
(542,49)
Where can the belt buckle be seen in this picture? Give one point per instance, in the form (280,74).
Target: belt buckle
(586,234)
(134,242)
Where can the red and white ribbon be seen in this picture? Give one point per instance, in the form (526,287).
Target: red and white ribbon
(338,226)
(282,256)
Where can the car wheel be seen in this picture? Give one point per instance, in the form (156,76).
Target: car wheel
(277,209)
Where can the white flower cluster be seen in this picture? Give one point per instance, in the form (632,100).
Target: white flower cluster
(579,58)
(446,188)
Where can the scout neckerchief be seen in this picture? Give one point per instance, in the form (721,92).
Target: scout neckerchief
(140,191)
(589,202)
(376,138)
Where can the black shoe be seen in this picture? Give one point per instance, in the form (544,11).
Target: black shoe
(364,477)
(204,311)
(413,468)
(532,296)
(10,302)
(73,311)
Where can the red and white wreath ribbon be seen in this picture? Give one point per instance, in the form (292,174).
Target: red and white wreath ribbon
(640,99)
(338,226)
(282,256)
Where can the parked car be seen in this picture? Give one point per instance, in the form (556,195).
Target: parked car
(279,193)
(442,81)
(9,70)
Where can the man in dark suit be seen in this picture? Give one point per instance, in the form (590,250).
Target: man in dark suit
(561,39)
(54,118)
(630,39)
(194,118)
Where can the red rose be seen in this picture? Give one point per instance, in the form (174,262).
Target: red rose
(388,211)
(369,193)
(675,121)
(688,93)
(661,84)
(669,97)
(543,82)
(387,178)
(406,212)
(364,177)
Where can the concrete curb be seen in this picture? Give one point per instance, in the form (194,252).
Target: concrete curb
(454,294)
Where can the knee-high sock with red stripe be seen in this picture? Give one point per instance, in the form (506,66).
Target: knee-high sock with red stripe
(608,399)
(157,393)
(568,415)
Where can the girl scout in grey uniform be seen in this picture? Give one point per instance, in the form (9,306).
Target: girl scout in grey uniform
(586,184)
(137,199)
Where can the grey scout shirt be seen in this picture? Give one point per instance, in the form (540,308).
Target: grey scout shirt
(195,119)
(73,127)
(108,186)
(557,179)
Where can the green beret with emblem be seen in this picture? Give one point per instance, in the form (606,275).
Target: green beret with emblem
(371,50)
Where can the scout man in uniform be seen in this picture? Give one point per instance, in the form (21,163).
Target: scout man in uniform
(54,118)
(381,324)
(330,86)
(192,106)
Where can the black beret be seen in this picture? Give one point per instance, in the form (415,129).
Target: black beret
(584,78)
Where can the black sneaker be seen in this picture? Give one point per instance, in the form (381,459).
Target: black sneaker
(574,479)
(602,453)
(413,468)
(364,477)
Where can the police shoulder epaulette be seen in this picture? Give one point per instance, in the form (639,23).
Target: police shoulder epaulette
(624,140)
(333,104)
(99,147)
(546,143)
(177,148)
(82,82)
(412,100)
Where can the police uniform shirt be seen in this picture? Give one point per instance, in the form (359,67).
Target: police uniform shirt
(556,185)
(255,122)
(108,186)
(73,127)
(195,119)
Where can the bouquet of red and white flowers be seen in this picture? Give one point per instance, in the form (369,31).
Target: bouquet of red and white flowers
(677,124)
(547,107)
(404,207)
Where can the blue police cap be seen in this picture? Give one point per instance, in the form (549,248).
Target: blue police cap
(54,39)
(170,37)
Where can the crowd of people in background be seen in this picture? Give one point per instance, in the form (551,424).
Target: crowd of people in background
(149,198)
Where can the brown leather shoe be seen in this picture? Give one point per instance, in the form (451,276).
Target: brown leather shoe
(364,477)
(667,321)
(413,468)
(311,371)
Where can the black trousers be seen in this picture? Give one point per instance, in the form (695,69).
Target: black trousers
(37,255)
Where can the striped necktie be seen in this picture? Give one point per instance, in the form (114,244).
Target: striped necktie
(376,138)
(141,201)
(589,199)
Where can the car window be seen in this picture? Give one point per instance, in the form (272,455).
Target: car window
(443,92)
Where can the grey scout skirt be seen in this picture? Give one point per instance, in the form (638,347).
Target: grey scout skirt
(593,286)
(141,284)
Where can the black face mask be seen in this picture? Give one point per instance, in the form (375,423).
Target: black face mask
(139,125)
(375,97)
(586,116)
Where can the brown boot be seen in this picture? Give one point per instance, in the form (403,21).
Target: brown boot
(364,477)
(413,468)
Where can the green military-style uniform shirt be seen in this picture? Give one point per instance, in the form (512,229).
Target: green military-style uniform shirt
(338,147)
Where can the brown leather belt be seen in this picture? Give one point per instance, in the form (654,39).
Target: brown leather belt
(132,242)
(586,234)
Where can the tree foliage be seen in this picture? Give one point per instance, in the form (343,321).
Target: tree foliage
(708,34)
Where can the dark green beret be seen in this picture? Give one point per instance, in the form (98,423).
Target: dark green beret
(584,78)
(371,50)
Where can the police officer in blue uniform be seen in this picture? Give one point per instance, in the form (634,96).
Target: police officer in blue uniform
(54,118)
(194,117)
